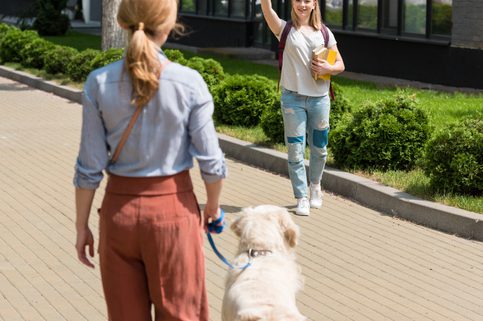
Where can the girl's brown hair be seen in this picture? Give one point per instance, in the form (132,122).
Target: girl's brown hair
(315,19)
(145,20)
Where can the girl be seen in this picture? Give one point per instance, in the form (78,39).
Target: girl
(305,101)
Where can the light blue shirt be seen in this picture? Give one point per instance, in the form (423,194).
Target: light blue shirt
(172,129)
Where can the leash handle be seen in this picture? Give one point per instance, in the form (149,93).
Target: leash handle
(214,226)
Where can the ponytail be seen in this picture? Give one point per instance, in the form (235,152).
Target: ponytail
(146,20)
(143,65)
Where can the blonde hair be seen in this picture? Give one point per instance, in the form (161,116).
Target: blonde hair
(145,20)
(315,19)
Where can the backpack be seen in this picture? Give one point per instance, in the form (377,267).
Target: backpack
(281,47)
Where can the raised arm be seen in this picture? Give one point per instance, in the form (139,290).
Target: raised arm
(271,17)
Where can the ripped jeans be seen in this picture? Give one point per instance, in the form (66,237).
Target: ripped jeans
(305,117)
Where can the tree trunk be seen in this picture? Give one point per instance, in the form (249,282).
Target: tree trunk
(112,34)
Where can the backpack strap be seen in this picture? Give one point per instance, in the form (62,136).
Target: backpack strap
(281,44)
(281,47)
(325,34)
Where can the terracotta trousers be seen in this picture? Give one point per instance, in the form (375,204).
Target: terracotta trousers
(151,250)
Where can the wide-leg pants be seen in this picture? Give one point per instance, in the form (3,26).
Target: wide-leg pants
(151,250)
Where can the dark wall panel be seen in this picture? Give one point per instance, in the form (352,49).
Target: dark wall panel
(431,63)
(15,8)
(212,32)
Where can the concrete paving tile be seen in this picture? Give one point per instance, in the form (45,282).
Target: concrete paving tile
(358,264)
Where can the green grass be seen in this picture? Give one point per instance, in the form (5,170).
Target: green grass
(442,108)
(77,40)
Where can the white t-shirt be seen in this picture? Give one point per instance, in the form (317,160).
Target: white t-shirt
(297,58)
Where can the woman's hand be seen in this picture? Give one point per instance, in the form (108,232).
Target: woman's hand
(321,67)
(85,238)
(210,214)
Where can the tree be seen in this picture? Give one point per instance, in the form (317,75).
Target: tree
(112,34)
(50,20)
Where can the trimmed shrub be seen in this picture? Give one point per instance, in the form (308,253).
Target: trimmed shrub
(387,135)
(50,20)
(81,65)
(175,56)
(107,57)
(13,42)
(241,99)
(454,158)
(271,122)
(33,53)
(210,69)
(4,28)
(57,59)
(339,106)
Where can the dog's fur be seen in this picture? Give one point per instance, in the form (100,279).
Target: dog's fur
(264,291)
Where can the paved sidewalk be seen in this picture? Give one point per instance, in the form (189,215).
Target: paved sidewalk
(358,264)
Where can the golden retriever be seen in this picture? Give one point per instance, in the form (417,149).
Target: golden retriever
(266,289)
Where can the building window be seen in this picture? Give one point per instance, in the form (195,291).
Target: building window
(415,16)
(238,8)
(408,18)
(188,6)
(441,22)
(390,12)
(367,14)
(333,12)
(221,7)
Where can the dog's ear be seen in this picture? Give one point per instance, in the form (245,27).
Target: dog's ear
(290,229)
(236,226)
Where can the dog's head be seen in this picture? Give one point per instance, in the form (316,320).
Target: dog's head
(266,226)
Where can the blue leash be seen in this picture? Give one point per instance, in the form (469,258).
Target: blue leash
(215,227)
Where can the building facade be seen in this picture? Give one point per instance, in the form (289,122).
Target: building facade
(434,41)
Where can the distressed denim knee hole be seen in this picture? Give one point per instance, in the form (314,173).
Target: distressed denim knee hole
(295,151)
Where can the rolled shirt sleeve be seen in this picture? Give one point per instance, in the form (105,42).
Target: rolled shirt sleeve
(204,140)
(93,153)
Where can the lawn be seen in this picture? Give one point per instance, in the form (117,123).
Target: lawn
(442,108)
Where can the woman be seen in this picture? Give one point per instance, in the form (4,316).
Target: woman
(150,244)
(305,101)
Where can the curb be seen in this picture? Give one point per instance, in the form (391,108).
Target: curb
(369,193)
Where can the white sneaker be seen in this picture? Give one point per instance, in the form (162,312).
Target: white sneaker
(315,196)
(303,207)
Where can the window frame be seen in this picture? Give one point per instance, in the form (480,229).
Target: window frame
(210,10)
(351,25)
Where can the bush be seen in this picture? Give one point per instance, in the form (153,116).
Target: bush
(454,158)
(107,57)
(4,28)
(13,42)
(210,69)
(81,65)
(386,135)
(33,53)
(50,21)
(175,56)
(271,122)
(241,99)
(57,59)
(339,106)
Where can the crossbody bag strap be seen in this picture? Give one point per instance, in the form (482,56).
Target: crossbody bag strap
(125,135)
(130,126)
